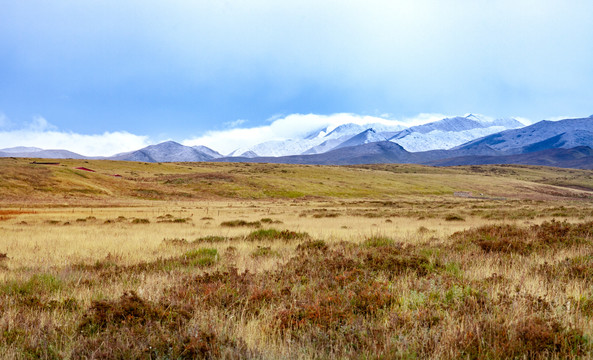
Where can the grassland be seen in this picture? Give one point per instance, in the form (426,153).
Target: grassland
(268,261)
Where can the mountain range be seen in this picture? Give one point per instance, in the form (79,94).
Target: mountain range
(452,141)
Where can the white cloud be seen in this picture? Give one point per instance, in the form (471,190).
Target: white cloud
(40,124)
(234,124)
(294,126)
(423,118)
(3,120)
(40,133)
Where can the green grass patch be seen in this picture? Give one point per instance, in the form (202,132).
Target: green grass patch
(202,257)
(39,283)
(378,241)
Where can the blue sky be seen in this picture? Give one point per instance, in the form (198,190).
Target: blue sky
(123,74)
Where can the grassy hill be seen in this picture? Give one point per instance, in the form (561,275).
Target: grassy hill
(22,180)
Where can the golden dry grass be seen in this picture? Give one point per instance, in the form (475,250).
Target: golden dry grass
(368,262)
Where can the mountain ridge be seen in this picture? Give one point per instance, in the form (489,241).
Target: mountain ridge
(544,139)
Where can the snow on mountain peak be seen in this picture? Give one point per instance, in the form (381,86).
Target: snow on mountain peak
(314,134)
(451,132)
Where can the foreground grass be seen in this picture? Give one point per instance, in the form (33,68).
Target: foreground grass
(408,274)
(495,290)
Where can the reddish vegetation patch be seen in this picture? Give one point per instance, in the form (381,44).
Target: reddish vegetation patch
(132,327)
(15,212)
(85,169)
(515,239)
(5,214)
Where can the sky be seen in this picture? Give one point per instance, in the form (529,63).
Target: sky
(102,76)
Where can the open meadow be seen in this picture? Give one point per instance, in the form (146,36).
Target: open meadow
(269,261)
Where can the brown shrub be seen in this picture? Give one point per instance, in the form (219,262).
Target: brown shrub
(312,246)
(131,327)
(128,310)
(556,233)
(497,238)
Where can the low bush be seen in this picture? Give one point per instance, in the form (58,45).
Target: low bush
(273,234)
(452,217)
(239,223)
(140,221)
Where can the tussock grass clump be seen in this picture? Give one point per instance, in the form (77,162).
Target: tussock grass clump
(210,239)
(331,214)
(140,221)
(453,217)
(170,219)
(204,257)
(378,241)
(273,234)
(263,251)
(239,223)
(423,230)
(175,242)
(270,221)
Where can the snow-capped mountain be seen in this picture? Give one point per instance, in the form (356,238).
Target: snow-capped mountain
(168,151)
(319,141)
(33,152)
(568,133)
(442,134)
(451,132)
(563,143)
(277,148)
(206,150)
(365,137)
(20,150)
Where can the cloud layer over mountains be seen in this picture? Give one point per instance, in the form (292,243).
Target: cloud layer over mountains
(40,133)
